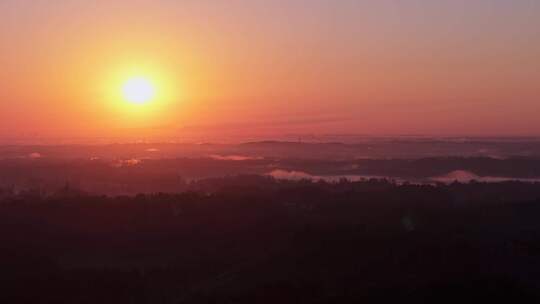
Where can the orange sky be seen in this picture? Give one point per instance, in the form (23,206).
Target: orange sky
(268,68)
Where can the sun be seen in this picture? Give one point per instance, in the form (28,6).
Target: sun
(138,90)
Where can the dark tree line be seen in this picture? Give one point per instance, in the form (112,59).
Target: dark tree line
(252,239)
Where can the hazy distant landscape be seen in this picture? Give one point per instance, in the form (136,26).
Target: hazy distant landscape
(354,148)
(149,168)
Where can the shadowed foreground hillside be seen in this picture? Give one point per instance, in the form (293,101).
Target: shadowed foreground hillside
(257,240)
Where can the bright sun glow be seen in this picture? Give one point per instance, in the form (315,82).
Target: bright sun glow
(138,90)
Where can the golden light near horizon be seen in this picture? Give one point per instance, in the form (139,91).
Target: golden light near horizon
(138,90)
(141,97)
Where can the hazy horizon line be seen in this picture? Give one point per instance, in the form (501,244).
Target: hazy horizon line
(292,138)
